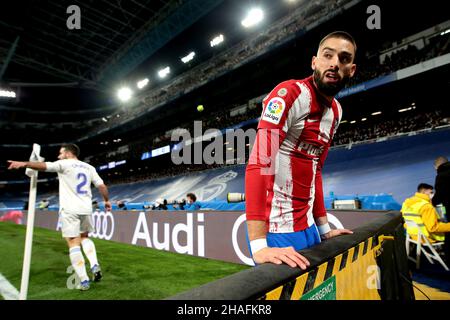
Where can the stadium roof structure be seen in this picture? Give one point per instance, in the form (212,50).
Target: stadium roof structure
(121,42)
(37,46)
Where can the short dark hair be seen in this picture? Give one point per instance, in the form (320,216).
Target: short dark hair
(340,35)
(440,160)
(424,186)
(192,196)
(72,148)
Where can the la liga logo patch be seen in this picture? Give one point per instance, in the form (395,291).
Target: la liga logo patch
(274,110)
(275,106)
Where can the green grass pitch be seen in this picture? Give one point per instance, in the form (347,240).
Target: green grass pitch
(129,272)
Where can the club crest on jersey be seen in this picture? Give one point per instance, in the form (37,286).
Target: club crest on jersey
(282,92)
(274,110)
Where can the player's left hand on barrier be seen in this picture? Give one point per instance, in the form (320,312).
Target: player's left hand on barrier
(108,206)
(16,165)
(335,233)
(286,255)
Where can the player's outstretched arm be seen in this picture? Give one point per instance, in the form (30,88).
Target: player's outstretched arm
(103,189)
(40,166)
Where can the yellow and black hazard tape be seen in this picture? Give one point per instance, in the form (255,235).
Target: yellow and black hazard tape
(295,289)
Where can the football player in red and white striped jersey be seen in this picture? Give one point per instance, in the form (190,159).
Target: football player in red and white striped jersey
(283,184)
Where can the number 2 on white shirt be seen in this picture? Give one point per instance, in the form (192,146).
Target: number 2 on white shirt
(81,176)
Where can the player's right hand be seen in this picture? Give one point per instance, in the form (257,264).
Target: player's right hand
(16,165)
(108,206)
(286,255)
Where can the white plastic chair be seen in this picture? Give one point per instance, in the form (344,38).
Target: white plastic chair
(422,244)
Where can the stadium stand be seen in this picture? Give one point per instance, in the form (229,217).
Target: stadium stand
(370,68)
(412,121)
(349,135)
(397,124)
(386,163)
(376,128)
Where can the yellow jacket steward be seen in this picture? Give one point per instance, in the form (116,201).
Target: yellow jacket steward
(420,210)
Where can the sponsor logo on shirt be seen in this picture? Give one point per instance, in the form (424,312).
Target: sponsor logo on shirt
(310,149)
(274,110)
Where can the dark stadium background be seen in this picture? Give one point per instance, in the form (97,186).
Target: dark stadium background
(39,111)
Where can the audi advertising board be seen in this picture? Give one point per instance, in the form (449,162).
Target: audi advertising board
(217,235)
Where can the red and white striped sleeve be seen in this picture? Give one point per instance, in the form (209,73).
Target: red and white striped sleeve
(319,209)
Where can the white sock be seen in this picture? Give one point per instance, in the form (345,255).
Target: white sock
(90,252)
(77,260)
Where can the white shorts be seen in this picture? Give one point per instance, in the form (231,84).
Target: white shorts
(72,225)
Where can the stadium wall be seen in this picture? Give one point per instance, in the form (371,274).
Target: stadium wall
(370,264)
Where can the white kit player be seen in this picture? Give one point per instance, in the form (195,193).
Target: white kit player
(75,206)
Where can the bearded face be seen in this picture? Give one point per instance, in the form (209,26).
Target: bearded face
(330,82)
(333,66)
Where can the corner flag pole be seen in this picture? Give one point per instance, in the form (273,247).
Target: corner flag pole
(35,156)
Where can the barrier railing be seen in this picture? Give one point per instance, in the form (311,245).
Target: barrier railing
(369,264)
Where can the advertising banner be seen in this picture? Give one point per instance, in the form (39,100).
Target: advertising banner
(219,235)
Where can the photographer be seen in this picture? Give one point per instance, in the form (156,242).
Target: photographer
(121,205)
(190,204)
(160,204)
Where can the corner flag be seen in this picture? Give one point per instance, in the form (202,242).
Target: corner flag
(35,157)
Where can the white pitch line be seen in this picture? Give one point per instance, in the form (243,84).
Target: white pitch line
(7,290)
